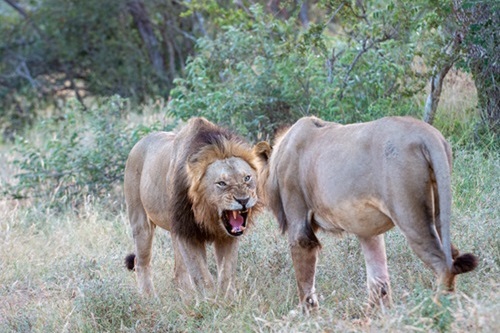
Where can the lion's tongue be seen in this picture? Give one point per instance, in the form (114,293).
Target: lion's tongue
(236,221)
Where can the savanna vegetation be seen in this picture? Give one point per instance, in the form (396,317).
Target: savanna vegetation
(82,81)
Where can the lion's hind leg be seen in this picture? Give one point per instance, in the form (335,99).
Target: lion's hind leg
(422,231)
(417,224)
(462,263)
(143,232)
(377,274)
(304,247)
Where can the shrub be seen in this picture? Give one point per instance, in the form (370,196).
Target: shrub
(84,154)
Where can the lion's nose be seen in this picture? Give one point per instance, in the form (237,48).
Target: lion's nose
(242,202)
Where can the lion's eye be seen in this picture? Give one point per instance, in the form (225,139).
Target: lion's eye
(221,184)
(247,178)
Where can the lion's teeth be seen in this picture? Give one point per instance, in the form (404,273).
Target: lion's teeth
(238,229)
(235,214)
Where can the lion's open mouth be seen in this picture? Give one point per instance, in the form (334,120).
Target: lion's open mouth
(235,221)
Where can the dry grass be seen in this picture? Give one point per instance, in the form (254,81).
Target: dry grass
(459,95)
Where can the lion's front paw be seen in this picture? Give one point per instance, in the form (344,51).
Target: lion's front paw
(310,304)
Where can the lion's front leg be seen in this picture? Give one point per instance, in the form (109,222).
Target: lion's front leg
(226,253)
(181,274)
(195,260)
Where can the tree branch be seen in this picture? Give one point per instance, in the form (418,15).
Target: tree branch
(23,71)
(432,101)
(367,44)
(451,51)
(24,14)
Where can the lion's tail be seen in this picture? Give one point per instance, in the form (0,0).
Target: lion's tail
(464,263)
(438,153)
(130,262)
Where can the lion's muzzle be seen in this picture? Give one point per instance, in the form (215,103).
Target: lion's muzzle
(235,221)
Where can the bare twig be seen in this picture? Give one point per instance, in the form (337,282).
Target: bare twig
(182,32)
(363,11)
(366,45)
(23,71)
(330,64)
(335,13)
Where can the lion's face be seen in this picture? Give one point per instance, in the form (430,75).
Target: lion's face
(227,192)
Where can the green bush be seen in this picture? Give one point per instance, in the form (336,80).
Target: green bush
(263,73)
(83,154)
(244,79)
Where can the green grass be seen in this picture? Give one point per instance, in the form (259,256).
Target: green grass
(64,272)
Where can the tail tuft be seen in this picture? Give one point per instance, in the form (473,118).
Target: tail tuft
(130,261)
(464,263)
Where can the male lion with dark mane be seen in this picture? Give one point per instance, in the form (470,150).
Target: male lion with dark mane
(363,179)
(201,185)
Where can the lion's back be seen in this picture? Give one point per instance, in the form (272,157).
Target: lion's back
(324,163)
(371,143)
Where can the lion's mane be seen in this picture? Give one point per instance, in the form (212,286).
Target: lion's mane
(194,218)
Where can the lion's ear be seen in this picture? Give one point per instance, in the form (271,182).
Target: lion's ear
(263,151)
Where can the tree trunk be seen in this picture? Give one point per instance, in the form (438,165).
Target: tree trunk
(451,55)
(484,60)
(432,101)
(141,19)
(304,13)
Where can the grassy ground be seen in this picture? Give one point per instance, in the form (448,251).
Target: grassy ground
(62,271)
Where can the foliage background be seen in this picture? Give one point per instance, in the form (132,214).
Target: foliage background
(253,65)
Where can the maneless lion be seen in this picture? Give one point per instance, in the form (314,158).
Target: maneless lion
(201,185)
(363,179)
